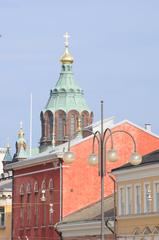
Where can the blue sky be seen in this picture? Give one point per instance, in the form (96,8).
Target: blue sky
(115,45)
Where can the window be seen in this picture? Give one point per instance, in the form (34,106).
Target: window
(147,198)
(61,123)
(36,209)
(72,125)
(36,190)
(21,189)
(28,204)
(22,210)
(121,201)
(128,200)
(156,196)
(137,199)
(21,205)
(43,188)
(2,217)
(82,121)
(51,187)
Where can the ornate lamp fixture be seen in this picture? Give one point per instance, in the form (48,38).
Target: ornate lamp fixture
(111,155)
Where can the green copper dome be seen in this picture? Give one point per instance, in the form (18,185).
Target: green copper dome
(66,95)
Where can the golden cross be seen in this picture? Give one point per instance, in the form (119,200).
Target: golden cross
(21,124)
(66,37)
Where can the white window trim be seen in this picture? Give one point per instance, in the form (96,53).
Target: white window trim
(126,196)
(154,196)
(145,183)
(119,200)
(135,197)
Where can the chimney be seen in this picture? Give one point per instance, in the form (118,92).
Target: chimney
(148,127)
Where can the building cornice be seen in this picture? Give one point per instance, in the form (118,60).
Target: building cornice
(137,172)
(39,159)
(84,228)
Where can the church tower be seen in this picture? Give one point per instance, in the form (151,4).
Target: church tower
(21,146)
(66,108)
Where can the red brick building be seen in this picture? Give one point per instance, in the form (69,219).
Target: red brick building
(45,189)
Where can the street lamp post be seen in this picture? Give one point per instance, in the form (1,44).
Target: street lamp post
(111,155)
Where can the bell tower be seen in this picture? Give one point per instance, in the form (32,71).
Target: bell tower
(65,106)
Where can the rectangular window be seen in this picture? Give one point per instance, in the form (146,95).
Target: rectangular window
(22,210)
(2,216)
(156,196)
(121,201)
(147,193)
(137,199)
(128,200)
(36,209)
(28,210)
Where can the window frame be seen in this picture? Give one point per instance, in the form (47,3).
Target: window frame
(147,211)
(121,212)
(126,199)
(2,217)
(135,198)
(154,196)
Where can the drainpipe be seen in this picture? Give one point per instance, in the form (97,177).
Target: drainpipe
(61,185)
(12,203)
(115,212)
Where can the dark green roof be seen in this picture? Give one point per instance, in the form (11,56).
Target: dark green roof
(148,159)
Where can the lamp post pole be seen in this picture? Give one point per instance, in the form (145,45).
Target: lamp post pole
(101,137)
(102,173)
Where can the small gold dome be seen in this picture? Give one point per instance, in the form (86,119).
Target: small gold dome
(66,58)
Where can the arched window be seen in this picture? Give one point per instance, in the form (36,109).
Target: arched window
(61,124)
(28,191)
(82,121)
(43,189)
(21,205)
(21,189)
(51,185)
(43,185)
(72,125)
(36,190)
(51,210)
(48,125)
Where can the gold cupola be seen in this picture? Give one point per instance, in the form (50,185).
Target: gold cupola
(67,57)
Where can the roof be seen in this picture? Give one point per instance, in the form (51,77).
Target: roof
(57,152)
(7,156)
(66,95)
(148,159)
(92,211)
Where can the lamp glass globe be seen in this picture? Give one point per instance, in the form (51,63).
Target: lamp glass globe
(93,159)
(112,155)
(135,158)
(68,157)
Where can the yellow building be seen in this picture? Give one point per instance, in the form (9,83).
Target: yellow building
(5,209)
(137,200)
